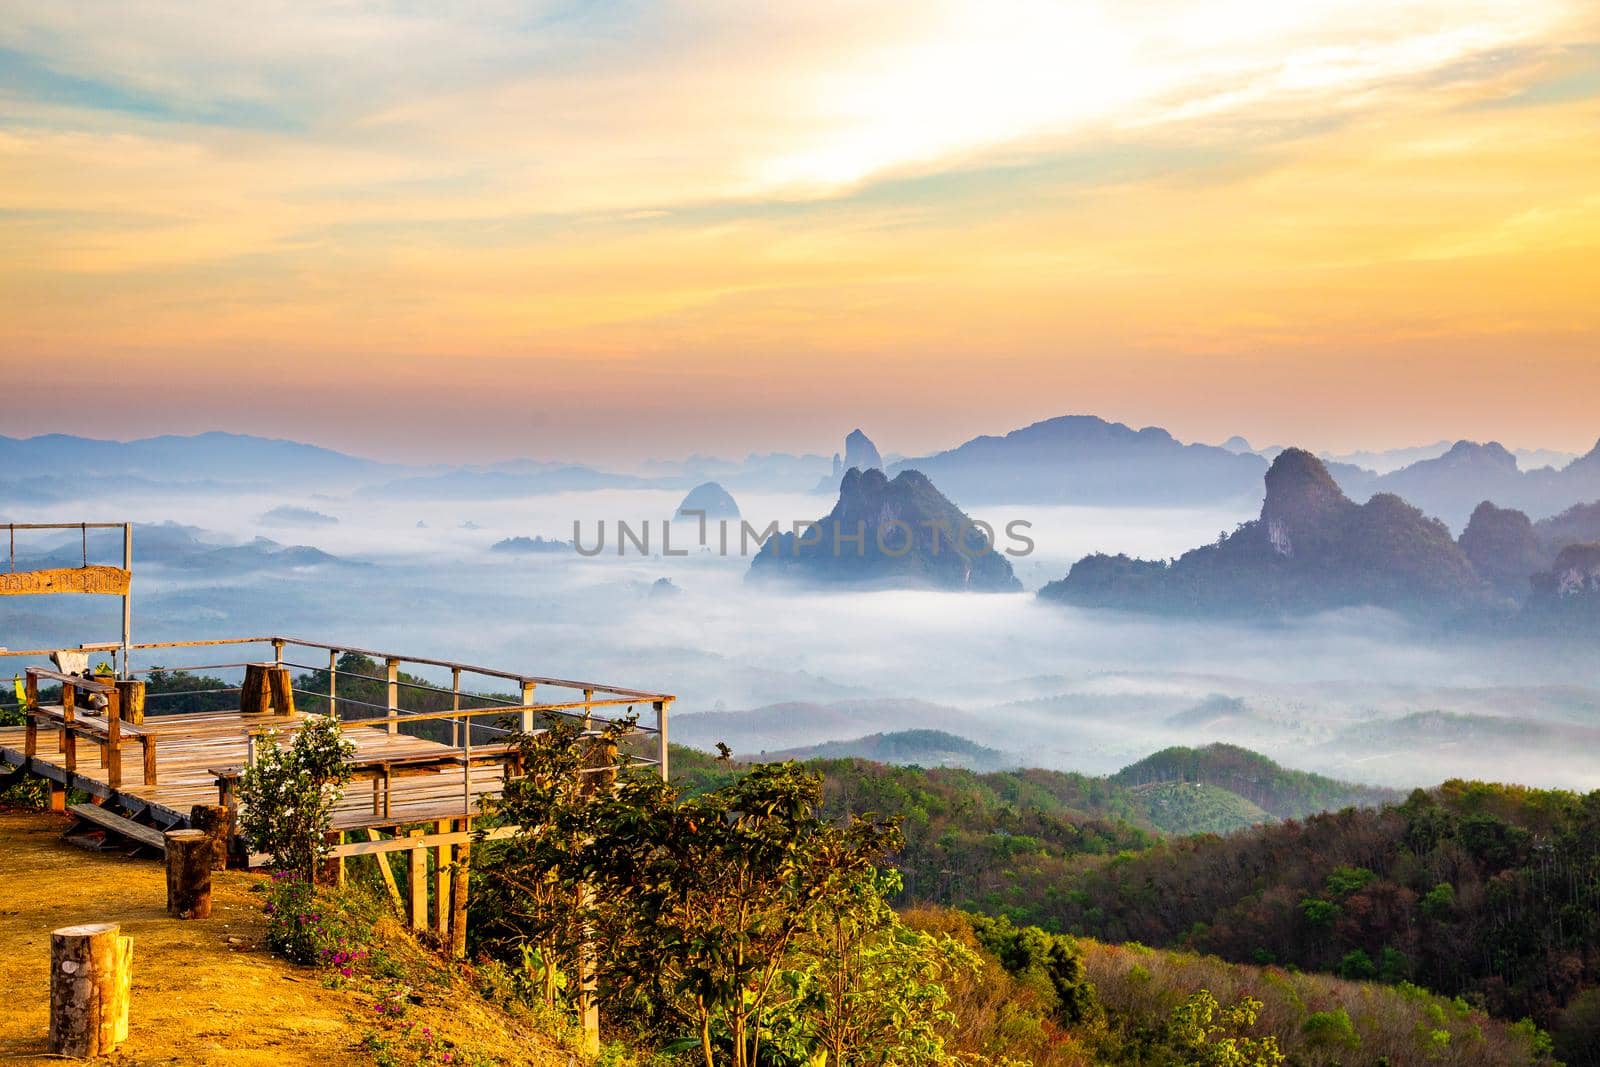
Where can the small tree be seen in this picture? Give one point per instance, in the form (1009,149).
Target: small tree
(695,905)
(1208,1035)
(287,795)
(869,990)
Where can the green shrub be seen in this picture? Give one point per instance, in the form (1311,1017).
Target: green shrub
(287,795)
(1331,1028)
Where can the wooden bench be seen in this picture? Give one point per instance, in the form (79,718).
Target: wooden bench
(107,730)
(383,769)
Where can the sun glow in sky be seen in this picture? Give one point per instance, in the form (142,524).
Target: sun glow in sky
(611,230)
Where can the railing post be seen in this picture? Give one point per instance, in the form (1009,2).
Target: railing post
(661,736)
(277,651)
(393,666)
(527,712)
(333,682)
(127,599)
(466,772)
(455,705)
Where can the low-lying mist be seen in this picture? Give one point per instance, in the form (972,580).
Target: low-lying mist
(1360,694)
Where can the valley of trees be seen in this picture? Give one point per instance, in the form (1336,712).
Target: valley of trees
(1485,893)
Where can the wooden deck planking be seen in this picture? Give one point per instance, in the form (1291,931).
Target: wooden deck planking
(189,746)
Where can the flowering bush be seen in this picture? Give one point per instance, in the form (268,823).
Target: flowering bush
(308,928)
(287,795)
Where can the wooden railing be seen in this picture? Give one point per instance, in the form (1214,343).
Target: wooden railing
(471,728)
(104,726)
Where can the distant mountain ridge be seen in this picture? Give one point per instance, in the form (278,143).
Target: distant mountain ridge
(1312,548)
(1453,484)
(921,748)
(215,456)
(184,548)
(1084,459)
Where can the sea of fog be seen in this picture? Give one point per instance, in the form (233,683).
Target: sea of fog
(1360,694)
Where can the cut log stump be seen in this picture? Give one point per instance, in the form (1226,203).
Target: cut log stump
(91,975)
(267,688)
(216,821)
(189,858)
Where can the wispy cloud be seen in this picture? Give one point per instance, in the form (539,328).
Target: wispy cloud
(627,181)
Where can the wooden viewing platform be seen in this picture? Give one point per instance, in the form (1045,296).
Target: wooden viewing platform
(421,774)
(426,762)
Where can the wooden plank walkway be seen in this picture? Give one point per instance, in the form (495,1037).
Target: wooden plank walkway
(189,747)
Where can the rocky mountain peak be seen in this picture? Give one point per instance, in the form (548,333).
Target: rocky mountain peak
(859,451)
(1300,491)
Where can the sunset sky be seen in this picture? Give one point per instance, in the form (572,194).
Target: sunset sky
(604,231)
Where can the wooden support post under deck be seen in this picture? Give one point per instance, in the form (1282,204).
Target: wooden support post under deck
(441,891)
(527,698)
(458,896)
(31,732)
(588,1004)
(393,667)
(113,749)
(418,890)
(69,740)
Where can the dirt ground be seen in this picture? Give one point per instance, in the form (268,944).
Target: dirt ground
(204,992)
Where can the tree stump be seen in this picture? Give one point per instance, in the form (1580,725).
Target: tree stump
(216,821)
(281,686)
(132,694)
(91,975)
(267,687)
(189,856)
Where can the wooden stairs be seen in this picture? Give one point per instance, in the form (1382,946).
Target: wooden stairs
(99,830)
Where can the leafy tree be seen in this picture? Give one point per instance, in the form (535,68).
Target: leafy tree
(1439,902)
(1032,954)
(287,795)
(865,988)
(1357,965)
(695,905)
(1331,1028)
(1209,1035)
(1345,881)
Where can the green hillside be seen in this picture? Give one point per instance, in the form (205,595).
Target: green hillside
(1278,791)
(1195,808)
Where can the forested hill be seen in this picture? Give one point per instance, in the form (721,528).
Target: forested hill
(1488,891)
(1279,791)
(1001,840)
